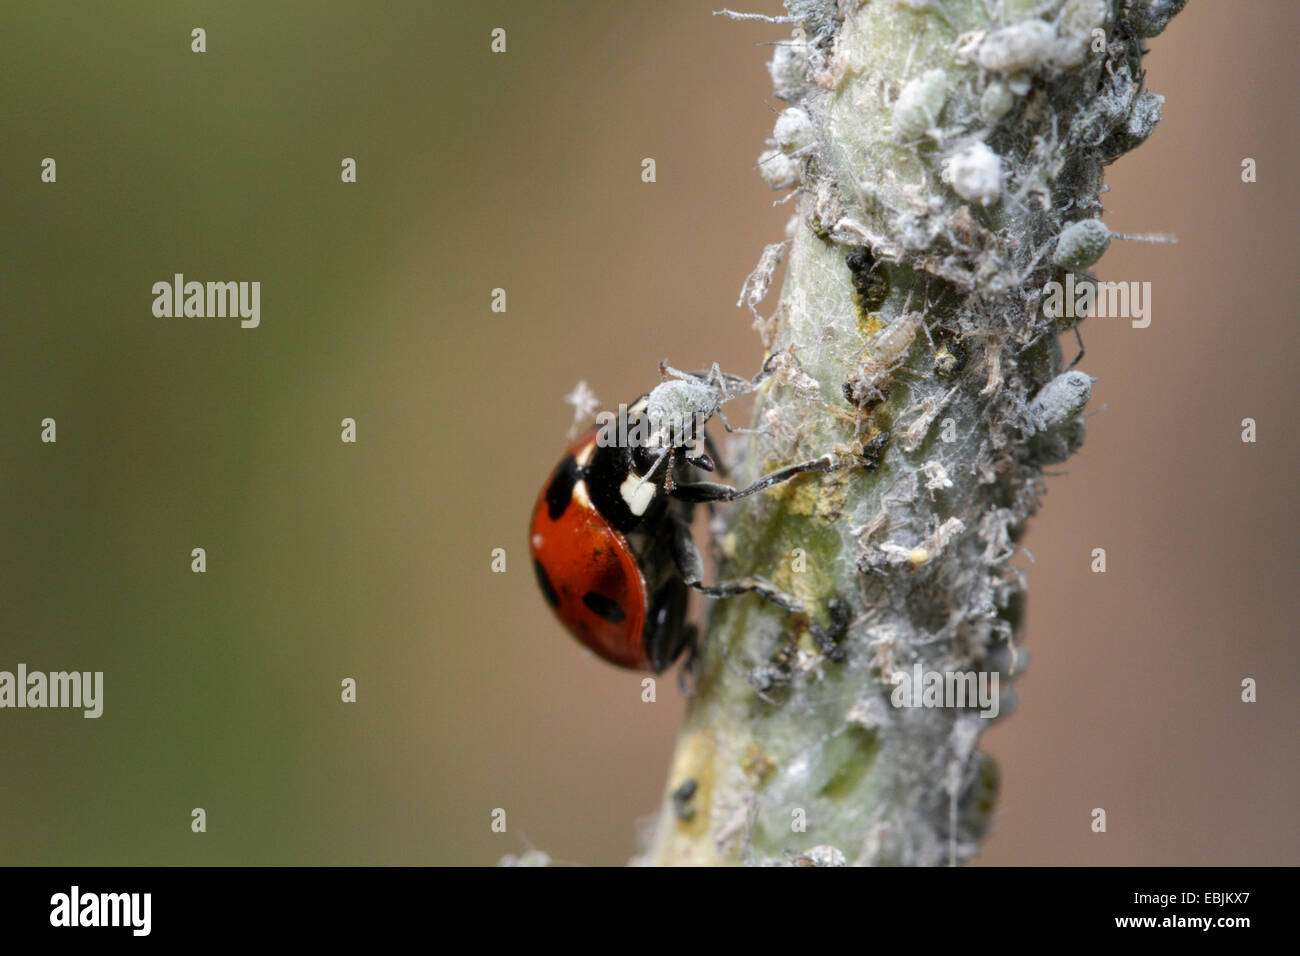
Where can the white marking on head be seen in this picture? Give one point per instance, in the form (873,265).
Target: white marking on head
(583,457)
(637,493)
(580,494)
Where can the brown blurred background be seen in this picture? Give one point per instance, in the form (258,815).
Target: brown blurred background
(372,561)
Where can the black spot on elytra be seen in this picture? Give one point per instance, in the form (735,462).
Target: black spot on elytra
(604,607)
(544,582)
(560,491)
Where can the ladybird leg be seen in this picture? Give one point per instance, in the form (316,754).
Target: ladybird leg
(703,461)
(691,567)
(715,454)
(708,458)
(667,634)
(696,492)
(1078,338)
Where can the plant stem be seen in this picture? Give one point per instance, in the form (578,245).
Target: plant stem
(939,149)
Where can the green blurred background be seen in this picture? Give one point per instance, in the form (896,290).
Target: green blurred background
(372,561)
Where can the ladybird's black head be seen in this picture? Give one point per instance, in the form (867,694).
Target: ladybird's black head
(657,435)
(626,451)
(644,459)
(641,453)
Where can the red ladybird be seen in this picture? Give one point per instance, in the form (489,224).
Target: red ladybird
(610,536)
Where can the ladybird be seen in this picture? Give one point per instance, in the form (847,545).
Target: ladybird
(610,535)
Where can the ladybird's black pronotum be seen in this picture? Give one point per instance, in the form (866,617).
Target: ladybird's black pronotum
(610,535)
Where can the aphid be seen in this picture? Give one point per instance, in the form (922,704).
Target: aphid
(919,104)
(930,407)
(975,174)
(1081,244)
(610,534)
(1022,46)
(794,132)
(867,387)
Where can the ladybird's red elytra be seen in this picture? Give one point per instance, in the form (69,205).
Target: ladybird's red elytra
(585,567)
(610,534)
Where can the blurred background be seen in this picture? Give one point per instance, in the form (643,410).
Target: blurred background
(372,560)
